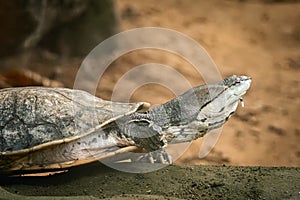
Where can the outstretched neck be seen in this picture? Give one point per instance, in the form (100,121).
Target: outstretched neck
(197,111)
(178,120)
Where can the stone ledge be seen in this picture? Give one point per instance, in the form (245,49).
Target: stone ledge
(96,181)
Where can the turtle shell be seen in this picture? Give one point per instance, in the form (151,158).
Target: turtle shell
(38,123)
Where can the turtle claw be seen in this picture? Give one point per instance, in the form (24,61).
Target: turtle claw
(158,156)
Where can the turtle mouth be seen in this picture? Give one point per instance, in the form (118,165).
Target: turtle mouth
(236,99)
(237,93)
(243,85)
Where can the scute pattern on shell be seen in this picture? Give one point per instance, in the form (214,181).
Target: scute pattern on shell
(34,115)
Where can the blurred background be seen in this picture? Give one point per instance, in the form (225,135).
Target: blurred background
(44,42)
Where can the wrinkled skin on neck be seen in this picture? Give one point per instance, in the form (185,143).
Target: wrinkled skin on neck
(190,115)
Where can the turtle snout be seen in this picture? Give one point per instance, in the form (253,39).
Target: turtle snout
(242,86)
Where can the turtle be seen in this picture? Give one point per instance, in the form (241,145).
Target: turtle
(51,129)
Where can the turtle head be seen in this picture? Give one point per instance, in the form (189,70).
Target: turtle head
(236,86)
(204,108)
(223,100)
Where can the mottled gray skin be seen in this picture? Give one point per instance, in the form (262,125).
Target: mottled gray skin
(40,127)
(187,117)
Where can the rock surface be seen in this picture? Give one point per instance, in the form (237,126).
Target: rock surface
(97,181)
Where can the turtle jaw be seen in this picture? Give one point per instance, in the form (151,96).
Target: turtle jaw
(242,85)
(218,111)
(238,90)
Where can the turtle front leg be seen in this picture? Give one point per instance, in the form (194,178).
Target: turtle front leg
(145,133)
(158,156)
(149,136)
